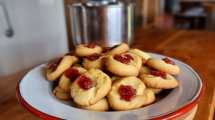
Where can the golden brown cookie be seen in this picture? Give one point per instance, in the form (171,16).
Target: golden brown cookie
(149,96)
(129,93)
(69,76)
(101,105)
(155,90)
(90,87)
(118,49)
(93,61)
(144,70)
(86,50)
(55,70)
(61,94)
(165,65)
(144,55)
(126,64)
(113,78)
(159,80)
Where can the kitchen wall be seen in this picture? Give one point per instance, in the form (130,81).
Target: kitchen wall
(39,33)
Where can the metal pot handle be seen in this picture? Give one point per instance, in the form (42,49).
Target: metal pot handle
(9,32)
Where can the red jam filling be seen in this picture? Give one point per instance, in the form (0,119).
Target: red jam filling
(53,65)
(126,92)
(93,57)
(168,61)
(72,73)
(85,82)
(158,73)
(124,58)
(104,50)
(91,45)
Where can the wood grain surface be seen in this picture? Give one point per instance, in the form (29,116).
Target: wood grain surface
(195,48)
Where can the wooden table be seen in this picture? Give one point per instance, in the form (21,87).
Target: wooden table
(196,48)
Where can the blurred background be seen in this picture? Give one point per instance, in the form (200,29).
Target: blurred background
(35,31)
(180,14)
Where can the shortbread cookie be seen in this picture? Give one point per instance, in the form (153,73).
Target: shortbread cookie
(129,93)
(113,78)
(90,87)
(118,49)
(145,56)
(155,90)
(86,50)
(54,70)
(69,76)
(101,105)
(158,79)
(165,65)
(61,94)
(126,64)
(93,61)
(144,70)
(149,96)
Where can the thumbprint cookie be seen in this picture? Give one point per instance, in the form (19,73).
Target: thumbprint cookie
(164,65)
(83,50)
(145,56)
(159,79)
(61,94)
(90,87)
(93,61)
(101,105)
(129,93)
(118,49)
(69,76)
(155,90)
(54,70)
(126,64)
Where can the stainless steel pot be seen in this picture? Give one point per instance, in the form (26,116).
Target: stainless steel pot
(103,22)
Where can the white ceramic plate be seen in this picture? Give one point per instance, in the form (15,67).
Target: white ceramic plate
(35,93)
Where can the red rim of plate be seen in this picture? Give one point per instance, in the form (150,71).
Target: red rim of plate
(31,109)
(172,115)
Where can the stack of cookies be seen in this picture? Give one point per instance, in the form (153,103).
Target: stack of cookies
(119,78)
